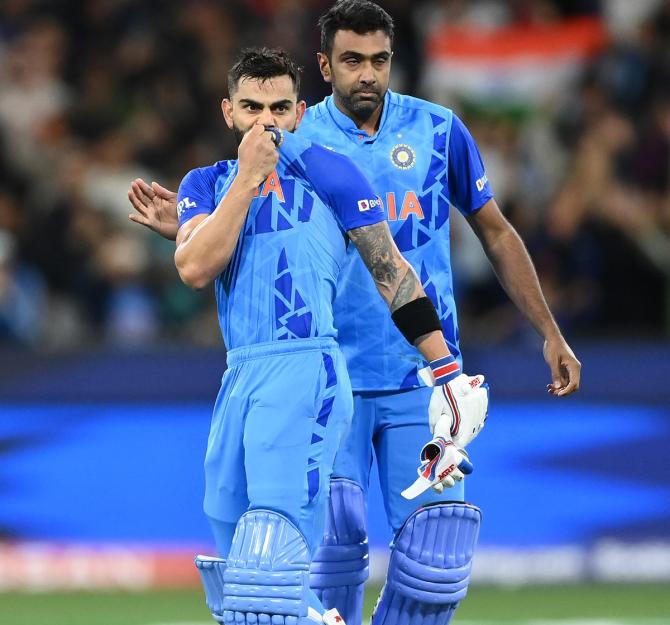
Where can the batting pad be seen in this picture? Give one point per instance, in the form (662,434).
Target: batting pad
(267,574)
(340,566)
(430,564)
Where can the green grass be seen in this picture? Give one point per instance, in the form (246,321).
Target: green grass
(544,605)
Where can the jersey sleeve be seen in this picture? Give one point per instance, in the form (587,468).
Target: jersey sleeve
(343,186)
(469,188)
(196,194)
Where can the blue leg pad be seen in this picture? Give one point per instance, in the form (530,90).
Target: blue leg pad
(211,571)
(430,564)
(340,566)
(266,580)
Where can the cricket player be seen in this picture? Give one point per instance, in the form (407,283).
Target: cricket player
(269,229)
(421,159)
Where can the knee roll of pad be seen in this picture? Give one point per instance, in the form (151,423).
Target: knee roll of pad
(211,571)
(267,572)
(340,566)
(430,565)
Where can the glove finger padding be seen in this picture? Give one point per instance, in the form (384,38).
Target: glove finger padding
(441,463)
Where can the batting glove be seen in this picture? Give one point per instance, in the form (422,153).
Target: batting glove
(459,404)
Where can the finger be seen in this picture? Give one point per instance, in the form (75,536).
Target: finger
(137,204)
(141,195)
(144,187)
(138,219)
(438,488)
(554,365)
(162,192)
(448,482)
(573,382)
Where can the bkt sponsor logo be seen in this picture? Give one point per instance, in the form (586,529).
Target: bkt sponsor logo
(366,205)
(480,182)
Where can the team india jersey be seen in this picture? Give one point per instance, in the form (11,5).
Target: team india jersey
(421,159)
(281,279)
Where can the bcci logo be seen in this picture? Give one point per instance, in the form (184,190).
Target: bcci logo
(403,156)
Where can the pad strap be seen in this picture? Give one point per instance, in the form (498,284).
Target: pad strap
(211,571)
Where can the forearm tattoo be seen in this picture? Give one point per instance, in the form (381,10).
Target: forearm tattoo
(396,280)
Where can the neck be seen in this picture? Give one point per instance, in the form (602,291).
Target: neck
(370,125)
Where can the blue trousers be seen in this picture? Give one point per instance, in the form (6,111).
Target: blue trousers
(280,415)
(394,426)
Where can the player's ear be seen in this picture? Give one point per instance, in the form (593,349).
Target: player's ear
(227,110)
(324,65)
(300,109)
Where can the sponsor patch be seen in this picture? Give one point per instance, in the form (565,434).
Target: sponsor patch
(481,182)
(366,205)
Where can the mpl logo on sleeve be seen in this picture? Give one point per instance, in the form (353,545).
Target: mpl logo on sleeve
(366,205)
(185,204)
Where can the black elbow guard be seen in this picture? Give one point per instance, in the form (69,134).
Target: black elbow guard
(416,318)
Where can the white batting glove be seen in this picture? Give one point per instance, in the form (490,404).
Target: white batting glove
(442,465)
(459,404)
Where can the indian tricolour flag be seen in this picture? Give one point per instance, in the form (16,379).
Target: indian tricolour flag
(516,64)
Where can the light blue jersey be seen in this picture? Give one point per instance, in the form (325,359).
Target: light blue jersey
(414,161)
(280,282)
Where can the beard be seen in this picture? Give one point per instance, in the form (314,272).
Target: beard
(361,106)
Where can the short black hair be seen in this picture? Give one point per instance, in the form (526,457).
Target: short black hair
(360,16)
(263,64)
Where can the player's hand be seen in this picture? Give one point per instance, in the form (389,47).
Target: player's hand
(257,155)
(458,409)
(442,465)
(565,368)
(156,207)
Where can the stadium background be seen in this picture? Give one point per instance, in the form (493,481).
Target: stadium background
(108,366)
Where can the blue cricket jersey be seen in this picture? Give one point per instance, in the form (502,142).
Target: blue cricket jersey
(280,282)
(421,160)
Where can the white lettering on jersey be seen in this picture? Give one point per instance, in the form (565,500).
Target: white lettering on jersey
(481,182)
(183,205)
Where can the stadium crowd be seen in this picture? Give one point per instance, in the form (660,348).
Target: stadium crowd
(96,93)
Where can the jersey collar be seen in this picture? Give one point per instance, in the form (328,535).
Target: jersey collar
(347,125)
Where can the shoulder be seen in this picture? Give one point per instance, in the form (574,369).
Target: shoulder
(314,113)
(208,174)
(401,103)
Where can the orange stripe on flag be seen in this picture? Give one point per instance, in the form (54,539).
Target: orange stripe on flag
(576,37)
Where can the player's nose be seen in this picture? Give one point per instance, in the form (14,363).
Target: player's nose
(266,118)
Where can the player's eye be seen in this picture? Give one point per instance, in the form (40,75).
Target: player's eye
(351,62)
(281,109)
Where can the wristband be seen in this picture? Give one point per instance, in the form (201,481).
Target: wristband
(416,318)
(445,369)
